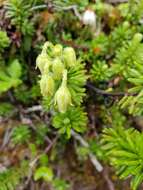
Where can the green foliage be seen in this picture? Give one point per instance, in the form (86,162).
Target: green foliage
(19,12)
(96,148)
(124,149)
(44,173)
(100,45)
(41,131)
(110,115)
(110,54)
(100,71)
(43,160)
(64,3)
(136,9)
(74,119)
(129,56)
(76,82)
(4,40)
(82,152)
(132,10)
(10,178)
(26,95)
(121,34)
(6,109)
(128,65)
(10,77)
(21,134)
(134,102)
(60,184)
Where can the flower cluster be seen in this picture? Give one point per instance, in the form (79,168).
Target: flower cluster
(55,64)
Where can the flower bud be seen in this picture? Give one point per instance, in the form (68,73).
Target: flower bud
(69,56)
(89,18)
(126,24)
(57,50)
(41,61)
(46,46)
(47,85)
(63,96)
(138,37)
(57,68)
(47,67)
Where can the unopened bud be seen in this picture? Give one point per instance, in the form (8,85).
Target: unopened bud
(69,56)
(47,85)
(47,67)
(63,96)
(89,18)
(138,37)
(57,68)
(57,50)
(126,24)
(41,61)
(46,46)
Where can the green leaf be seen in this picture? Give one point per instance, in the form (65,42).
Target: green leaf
(4,86)
(60,184)
(43,159)
(14,70)
(136,181)
(10,77)
(44,173)
(4,76)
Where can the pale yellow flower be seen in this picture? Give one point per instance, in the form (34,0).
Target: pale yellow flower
(63,96)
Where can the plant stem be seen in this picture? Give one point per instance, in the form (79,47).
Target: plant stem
(103,92)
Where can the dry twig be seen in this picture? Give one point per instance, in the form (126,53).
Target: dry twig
(92,157)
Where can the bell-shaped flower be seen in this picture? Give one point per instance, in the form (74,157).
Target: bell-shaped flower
(57,68)
(137,37)
(69,57)
(89,18)
(46,46)
(57,50)
(47,85)
(41,61)
(63,95)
